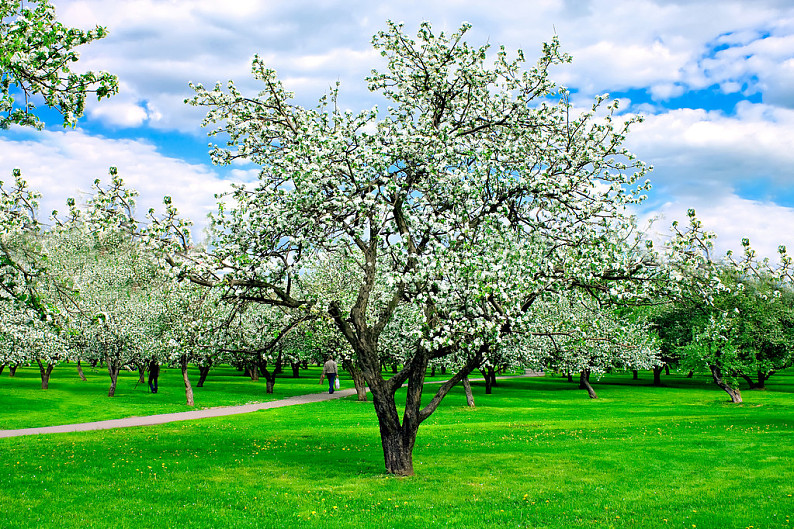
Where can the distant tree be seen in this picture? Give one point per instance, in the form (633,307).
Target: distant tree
(732,317)
(37,54)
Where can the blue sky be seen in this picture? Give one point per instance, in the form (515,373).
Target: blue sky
(713,79)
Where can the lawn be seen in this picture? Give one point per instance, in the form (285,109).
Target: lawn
(535,453)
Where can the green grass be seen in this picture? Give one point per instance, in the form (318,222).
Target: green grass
(536,453)
(23,404)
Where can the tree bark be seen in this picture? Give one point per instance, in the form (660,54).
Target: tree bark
(467,389)
(45,374)
(657,375)
(296,369)
(584,383)
(762,378)
(734,393)
(79,371)
(186,380)
(570,376)
(141,372)
(203,372)
(2,367)
(358,379)
(277,368)
(114,366)
(270,378)
(749,380)
(12,370)
(486,373)
(635,374)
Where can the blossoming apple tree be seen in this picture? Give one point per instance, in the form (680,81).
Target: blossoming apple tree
(476,192)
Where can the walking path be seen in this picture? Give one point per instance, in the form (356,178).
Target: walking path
(180,416)
(198,414)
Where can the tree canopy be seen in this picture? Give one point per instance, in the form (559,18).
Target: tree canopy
(476,192)
(37,56)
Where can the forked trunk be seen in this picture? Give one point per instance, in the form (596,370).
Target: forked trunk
(734,393)
(584,383)
(79,371)
(45,374)
(141,372)
(397,441)
(467,389)
(358,380)
(203,372)
(186,380)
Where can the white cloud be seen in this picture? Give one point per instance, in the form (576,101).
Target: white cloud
(65,164)
(733,218)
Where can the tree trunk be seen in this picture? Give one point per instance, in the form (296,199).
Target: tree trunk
(584,383)
(397,440)
(433,370)
(45,374)
(277,368)
(635,374)
(80,371)
(467,389)
(358,379)
(488,381)
(114,366)
(270,378)
(667,369)
(186,380)
(657,375)
(570,376)
(749,380)
(203,372)
(762,378)
(252,372)
(296,369)
(2,367)
(734,393)
(690,374)
(12,370)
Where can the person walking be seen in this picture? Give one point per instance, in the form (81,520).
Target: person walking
(329,370)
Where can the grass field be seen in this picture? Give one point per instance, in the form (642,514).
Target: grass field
(536,453)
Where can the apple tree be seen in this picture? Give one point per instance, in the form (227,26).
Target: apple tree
(476,191)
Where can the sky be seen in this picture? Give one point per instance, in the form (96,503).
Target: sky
(714,80)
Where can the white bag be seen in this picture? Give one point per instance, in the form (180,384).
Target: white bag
(336,383)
